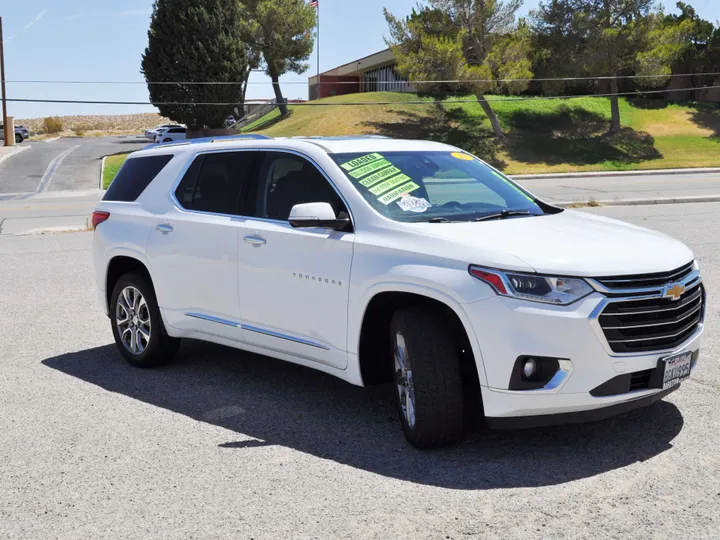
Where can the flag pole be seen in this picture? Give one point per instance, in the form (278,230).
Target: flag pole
(318,47)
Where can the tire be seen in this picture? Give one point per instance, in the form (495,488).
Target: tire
(168,140)
(18,138)
(431,377)
(160,348)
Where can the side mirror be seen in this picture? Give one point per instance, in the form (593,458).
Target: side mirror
(316,215)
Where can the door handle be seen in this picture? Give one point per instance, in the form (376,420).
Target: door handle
(164,228)
(254,240)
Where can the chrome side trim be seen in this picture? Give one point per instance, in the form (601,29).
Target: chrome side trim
(271,333)
(210,318)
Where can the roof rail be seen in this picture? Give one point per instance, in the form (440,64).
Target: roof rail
(219,138)
(339,137)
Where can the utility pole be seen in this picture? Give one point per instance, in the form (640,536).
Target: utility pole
(6,126)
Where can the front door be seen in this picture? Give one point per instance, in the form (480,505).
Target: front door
(294,283)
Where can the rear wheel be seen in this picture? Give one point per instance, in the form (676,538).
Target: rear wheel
(427,378)
(18,138)
(138,329)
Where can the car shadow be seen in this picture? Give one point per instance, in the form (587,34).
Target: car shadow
(270,402)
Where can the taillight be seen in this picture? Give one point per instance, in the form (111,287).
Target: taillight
(492,279)
(98,218)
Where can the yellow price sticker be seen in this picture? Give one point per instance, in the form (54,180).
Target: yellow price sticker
(460,155)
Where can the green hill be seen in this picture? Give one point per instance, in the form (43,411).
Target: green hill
(542,135)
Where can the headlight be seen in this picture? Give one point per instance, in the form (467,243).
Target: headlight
(547,289)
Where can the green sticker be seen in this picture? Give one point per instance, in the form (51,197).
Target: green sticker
(372,167)
(380,175)
(357,162)
(520,191)
(398,192)
(389,184)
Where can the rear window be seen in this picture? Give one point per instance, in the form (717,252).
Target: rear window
(134,176)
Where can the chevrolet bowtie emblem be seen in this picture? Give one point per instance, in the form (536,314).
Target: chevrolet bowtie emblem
(674,292)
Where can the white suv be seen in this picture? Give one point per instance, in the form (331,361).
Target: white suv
(379,260)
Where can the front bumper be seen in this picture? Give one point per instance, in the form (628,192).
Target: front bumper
(507,328)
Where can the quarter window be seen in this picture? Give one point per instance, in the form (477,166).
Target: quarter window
(134,176)
(214,181)
(286,180)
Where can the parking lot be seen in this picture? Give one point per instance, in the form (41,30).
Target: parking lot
(227,444)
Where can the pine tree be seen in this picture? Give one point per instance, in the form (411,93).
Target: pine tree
(196,41)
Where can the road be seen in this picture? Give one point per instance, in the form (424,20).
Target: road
(65,164)
(224,444)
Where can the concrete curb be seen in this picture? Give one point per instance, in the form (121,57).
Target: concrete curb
(638,202)
(614,173)
(52,230)
(53,139)
(14,153)
(102,172)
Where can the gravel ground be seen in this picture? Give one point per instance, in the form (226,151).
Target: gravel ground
(227,444)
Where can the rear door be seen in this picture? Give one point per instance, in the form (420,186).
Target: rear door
(193,249)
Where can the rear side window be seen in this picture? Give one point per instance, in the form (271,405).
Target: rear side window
(134,176)
(213,182)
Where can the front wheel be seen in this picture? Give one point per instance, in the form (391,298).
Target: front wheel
(427,378)
(138,329)
(168,140)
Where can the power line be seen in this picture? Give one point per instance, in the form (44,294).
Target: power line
(452,81)
(356,103)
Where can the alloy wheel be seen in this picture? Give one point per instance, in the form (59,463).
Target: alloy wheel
(404,380)
(132,319)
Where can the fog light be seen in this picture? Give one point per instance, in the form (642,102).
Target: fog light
(529,368)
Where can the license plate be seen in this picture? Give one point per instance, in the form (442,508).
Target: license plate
(675,369)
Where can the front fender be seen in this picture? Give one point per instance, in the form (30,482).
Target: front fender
(359,306)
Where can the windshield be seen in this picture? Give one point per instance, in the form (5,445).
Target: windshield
(434,186)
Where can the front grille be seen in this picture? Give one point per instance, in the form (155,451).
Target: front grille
(653,324)
(646,280)
(640,380)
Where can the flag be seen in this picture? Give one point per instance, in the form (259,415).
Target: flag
(314,3)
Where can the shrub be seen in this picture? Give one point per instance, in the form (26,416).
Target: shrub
(52,125)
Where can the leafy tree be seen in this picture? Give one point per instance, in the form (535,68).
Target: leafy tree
(611,38)
(703,52)
(477,41)
(281,30)
(195,40)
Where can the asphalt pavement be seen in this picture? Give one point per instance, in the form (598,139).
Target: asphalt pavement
(64,164)
(224,444)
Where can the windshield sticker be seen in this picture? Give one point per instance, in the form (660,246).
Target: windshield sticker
(464,157)
(520,191)
(398,192)
(370,167)
(378,176)
(408,203)
(363,160)
(389,184)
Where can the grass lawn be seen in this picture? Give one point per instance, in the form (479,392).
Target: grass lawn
(542,135)
(112,166)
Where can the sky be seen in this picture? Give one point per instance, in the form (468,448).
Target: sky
(103,40)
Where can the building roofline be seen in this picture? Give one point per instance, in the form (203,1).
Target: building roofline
(312,78)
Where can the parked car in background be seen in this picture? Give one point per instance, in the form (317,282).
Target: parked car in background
(410,262)
(152,133)
(171,134)
(21,133)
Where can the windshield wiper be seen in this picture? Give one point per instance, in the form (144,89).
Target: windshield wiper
(505,214)
(438,219)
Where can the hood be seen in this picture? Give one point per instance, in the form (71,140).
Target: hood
(569,243)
